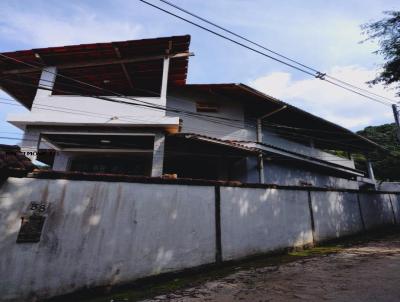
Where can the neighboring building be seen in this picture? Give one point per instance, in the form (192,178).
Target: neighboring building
(209,131)
(13,162)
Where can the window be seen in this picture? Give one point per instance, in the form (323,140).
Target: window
(206,107)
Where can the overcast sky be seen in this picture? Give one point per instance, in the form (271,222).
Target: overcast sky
(323,34)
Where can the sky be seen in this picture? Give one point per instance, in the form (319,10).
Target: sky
(324,34)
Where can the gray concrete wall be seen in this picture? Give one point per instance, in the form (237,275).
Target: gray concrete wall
(376,209)
(261,220)
(390,186)
(99,233)
(287,175)
(336,214)
(107,233)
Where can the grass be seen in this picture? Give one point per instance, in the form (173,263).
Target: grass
(167,283)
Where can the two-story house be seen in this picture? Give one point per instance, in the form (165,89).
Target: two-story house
(125,107)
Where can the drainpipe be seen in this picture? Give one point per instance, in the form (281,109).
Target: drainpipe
(260,139)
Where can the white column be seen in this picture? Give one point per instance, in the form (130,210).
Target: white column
(158,155)
(260,157)
(47,80)
(30,143)
(61,161)
(370,170)
(164,83)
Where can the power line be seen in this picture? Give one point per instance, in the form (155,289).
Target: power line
(315,72)
(272,51)
(288,134)
(318,73)
(145,104)
(150,105)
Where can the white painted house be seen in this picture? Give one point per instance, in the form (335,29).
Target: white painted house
(125,107)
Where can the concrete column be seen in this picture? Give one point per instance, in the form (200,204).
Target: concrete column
(61,161)
(260,156)
(158,155)
(47,80)
(370,170)
(30,143)
(261,178)
(164,83)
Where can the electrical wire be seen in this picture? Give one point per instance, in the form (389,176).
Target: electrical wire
(119,101)
(151,105)
(288,135)
(272,51)
(315,72)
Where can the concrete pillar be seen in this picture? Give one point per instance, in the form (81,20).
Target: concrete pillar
(158,155)
(30,143)
(47,80)
(164,82)
(370,170)
(261,178)
(61,161)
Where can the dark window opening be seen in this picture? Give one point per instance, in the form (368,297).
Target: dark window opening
(206,107)
(132,164)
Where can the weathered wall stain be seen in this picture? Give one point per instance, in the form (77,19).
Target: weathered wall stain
(104,233)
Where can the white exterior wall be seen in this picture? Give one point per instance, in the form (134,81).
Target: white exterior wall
(78,110)
(260,220)
(220,129)
(99,233)
(336,214)
(48,109)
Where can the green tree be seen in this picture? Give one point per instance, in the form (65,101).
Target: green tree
(386,164)
(387,33)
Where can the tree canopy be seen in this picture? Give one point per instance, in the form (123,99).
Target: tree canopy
(387,33)
(386,165)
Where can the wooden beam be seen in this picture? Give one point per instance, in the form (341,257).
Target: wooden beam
(125,71)
(99,63)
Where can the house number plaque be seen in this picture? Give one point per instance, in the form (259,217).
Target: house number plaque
(32,224)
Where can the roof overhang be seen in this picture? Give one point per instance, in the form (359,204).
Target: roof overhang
(126,67)
(271,150)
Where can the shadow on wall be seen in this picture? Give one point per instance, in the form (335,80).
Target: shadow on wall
(336,214)
(261,220)
(99,234)
(104,233)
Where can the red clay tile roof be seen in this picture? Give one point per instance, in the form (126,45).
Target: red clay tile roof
(142,73)
(13,162)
